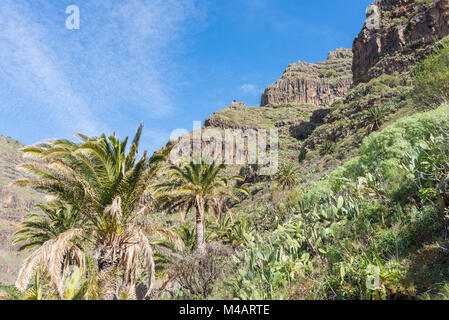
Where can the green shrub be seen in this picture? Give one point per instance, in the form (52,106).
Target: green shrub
(268,267)
(196,273)
(431,168)
(383,153)
(431,85)
(326,148)
(331,73)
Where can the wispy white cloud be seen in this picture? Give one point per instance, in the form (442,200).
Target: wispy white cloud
(28,63)
(249,88)
(156,138)
(119,65)
(149,33)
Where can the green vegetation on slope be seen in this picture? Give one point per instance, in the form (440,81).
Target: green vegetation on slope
(374,216)
(430,85)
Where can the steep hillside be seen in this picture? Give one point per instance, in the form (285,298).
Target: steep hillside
(316,104)
(321,114)
(15,203)
(295,105)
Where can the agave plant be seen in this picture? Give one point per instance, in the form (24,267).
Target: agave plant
(104,185)
(230,232)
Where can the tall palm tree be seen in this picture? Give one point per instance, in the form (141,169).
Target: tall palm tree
(201,186)
(105,186)
(375,117)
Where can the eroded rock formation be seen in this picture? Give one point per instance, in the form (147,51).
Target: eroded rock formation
(397,34)
(312,83)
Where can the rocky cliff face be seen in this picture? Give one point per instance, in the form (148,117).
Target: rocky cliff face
(397,34)
(319,83)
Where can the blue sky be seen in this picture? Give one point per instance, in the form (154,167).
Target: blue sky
(163,62)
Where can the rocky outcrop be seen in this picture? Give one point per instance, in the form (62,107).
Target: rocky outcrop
(216,121)
(397,34)
(237,106)
(312,83)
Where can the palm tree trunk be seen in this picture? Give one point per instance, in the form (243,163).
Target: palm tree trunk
(109,258)
(200,228)
(108,261)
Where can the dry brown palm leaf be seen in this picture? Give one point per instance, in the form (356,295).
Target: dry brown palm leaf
(219,207)
(114,211)
(182,214)
(167,234)
(169,253)
(51,255)
(138,251)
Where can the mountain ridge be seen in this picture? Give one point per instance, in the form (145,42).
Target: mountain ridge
(319,83)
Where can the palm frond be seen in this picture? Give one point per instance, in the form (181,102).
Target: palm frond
(138,251)
(50,256)
(167,234)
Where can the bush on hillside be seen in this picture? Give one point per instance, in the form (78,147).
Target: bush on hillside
(383,153)
(431,86)
(197,273)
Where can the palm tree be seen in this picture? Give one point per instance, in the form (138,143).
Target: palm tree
(105,186)
(201,186)
(288,176)
(375,117)
(326,148)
